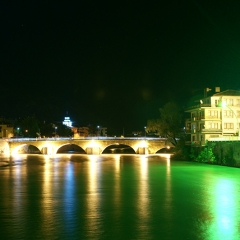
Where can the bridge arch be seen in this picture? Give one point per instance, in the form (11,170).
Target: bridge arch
(70,148)
(117,148)
(166,150)
(26,149)
(91,145)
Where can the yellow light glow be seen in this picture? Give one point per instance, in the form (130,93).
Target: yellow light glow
(224,104)
(143,144)
(92,213)
(165,155)
(16,150)
(143,197)
(117,185)
(93,144)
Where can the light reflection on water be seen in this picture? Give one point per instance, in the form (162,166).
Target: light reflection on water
(225,207)
(93,215)
(143,199)
(117,197)
(223,200)
(117,187)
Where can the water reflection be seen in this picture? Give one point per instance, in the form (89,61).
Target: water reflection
(47,213)
(117,191)
(70,200)
(93,199)
(117,196)
(17,177)
(143,198)
(224,205)
(168,191)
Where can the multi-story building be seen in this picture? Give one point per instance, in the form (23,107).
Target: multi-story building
(83,131)
(6,131)
(214,117)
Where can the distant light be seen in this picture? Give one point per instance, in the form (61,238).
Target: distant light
(224,104)
(67,122)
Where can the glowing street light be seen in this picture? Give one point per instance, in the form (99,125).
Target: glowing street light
(55,131)
(145,130)
(18,131)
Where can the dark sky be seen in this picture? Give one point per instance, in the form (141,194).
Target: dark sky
(114,63)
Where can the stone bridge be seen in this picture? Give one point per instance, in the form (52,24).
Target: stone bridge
(95,145)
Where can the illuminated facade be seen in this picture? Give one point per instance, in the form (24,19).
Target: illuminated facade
(83,131)
(89,146)
(215,117)
(6,131)
(67,122)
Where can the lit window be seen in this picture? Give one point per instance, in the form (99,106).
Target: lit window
(213,125)
(228,113)
(228,125)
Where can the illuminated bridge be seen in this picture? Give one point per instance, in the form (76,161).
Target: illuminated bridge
(90,145)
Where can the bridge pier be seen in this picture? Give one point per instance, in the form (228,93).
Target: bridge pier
(48,150)
(143,150)
(93,150)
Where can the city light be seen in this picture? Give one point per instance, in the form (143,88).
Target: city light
(67,122)
(224,104)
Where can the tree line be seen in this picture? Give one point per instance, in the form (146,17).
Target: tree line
(32,127)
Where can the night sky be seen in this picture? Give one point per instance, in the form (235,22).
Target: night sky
(114,63)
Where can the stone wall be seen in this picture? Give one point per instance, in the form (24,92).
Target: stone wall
(226,152)
(4,147)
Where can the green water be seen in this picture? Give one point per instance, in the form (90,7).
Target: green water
(117,197)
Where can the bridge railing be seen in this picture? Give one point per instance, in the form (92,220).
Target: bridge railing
(84,138)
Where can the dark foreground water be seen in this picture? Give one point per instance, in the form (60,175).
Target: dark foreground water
(117,197)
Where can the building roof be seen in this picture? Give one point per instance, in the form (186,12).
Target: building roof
(228,92)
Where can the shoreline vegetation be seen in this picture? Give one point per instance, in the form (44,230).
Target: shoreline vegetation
(223,155)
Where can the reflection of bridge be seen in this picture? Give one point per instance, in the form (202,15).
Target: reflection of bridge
(95,145)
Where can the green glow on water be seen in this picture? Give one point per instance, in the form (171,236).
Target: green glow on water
(224,203)
(220,205)
(128,197)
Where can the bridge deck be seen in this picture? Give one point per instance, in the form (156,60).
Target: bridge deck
(90,145)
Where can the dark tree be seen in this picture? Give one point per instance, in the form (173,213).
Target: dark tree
(29,127)
(170,123)
(64,131)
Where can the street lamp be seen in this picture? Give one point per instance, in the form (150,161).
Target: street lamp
(223,104)
(98,131)
(55,131)
(145,130)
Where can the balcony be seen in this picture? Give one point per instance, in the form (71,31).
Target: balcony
(198,106)
(211,130)
(199,118)
(213,118)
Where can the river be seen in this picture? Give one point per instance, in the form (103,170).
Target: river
(117,197)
